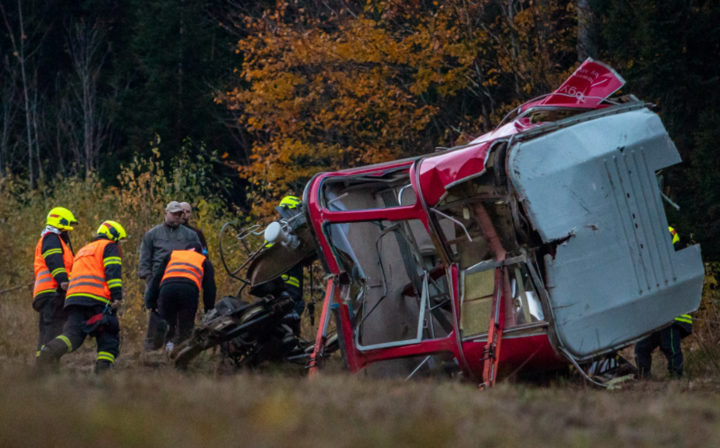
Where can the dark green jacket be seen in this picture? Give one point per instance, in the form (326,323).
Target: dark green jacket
(158,242)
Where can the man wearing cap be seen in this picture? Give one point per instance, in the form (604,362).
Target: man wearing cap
(157,244)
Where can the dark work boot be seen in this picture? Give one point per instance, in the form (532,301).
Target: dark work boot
(46,361)
(102,366)
(643,368)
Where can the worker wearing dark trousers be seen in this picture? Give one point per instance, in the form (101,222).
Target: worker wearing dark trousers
(157,243)
(175,291)
(98,321)
(53,264)
(288,208)
(293,280)
(668,339)
(94,293)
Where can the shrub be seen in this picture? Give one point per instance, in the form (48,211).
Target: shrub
(145,187)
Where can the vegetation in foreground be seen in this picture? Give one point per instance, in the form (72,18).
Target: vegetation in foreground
(138,408)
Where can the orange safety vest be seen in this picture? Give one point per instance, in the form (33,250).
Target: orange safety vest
(185,264)
(88,278)
(44,281)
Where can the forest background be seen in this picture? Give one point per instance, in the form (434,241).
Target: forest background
(281,90)
(112,108)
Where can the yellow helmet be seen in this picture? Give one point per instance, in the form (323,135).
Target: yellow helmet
(290,202)
(61,218)
(112,230)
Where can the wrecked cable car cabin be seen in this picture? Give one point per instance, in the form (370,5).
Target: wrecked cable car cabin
(540,244)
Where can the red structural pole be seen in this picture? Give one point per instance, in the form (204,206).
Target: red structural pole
(321,337)
(497,318)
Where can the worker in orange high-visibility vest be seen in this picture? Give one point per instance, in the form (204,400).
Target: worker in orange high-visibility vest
(53,264)
(175,291)
(93,297)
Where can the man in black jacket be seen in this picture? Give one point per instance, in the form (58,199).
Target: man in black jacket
(175,290)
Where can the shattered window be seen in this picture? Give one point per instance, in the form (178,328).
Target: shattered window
(459,216)
(400,292)
(523,307)
(477,302)
(526,303)
(365,192)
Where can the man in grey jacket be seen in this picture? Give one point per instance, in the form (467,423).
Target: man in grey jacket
(157,243)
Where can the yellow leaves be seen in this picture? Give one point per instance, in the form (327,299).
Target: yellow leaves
(362,90)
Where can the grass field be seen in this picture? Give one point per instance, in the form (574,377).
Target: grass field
(137,407)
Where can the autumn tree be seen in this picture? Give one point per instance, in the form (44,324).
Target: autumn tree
(322,91)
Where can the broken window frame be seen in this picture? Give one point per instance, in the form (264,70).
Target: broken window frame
(426,316)
(400,178)
(443,211)
(522,260)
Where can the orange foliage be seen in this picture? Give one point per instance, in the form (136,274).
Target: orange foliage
(394,81)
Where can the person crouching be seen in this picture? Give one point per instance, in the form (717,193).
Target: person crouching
(93,296)
(175,290)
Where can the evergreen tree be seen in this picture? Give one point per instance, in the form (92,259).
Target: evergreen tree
(669,53)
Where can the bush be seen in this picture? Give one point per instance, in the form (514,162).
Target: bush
(145,187)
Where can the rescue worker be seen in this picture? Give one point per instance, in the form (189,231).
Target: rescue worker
(187,216)
(668,339)
(93,297)
(175,290)
(157,243)
(53,264)
(289,207)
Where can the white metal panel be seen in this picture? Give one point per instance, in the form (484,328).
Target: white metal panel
(591,187)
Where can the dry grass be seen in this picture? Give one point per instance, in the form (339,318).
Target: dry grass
(137,408)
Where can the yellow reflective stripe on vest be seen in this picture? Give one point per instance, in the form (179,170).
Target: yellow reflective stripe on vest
(186,271)
(87,280)
(43,277)
(685,318)
(92,296)
(57,271)
(179,266)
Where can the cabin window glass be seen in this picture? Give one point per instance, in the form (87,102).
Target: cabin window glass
(399,293)
(365,192)
(526,307)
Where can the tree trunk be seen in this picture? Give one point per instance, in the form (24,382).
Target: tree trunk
(83,43)
(586,47)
